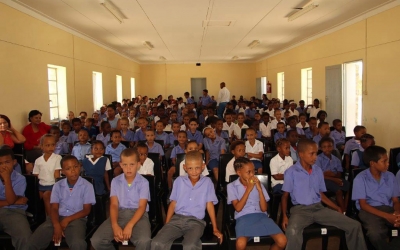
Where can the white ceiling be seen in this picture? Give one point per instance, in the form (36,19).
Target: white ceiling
(175,27)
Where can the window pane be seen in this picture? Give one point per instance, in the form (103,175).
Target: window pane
(52,72)
(53,101)
(52,87)
(54,114)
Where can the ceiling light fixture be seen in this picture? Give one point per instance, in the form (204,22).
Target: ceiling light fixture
(110,8)
(163,58)
(148,45)
(302,11)
(253,44)
(235,58)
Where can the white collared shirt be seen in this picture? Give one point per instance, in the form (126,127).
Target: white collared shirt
(279,166)
(147,167)
(223,96)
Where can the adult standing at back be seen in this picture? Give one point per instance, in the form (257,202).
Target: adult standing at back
(223,98)
(205,101)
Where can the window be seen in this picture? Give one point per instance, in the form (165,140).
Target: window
(57,92)
(119,88)
(97,90)
(133,92)
(281,86)
(263,86)
(306,85)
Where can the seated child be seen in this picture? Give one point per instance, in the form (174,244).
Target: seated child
(254,150)
(160,134)
(82,148)
(366,140)
(293,138)
(324,131)
(202,118)
(96,166)
(304,182)
(214,146)
(265,127)
(219,125)
(13,201)
(280,133)
(128,219)
(71,202)
(132,118)
(312,130)
(279,163)
(126,133)
(47,169)
(292,126)
(250,112)
(73,135)
(140,133)
(180,149)
(154,147)
(146,164)
(278,119)
(238,149)
(228,124)
(90,128)
(321,116)
(66,129)
(376,193)
(338,134)
(114,149)
(172,137)
(190,197)
(193,134)
(331,166)
(185,125)
(61,146)
(353,143)
(191,146)
(104,136)
(302,124)
(237,130)
(249,198)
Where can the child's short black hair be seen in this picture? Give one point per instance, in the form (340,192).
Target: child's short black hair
(312,119)
(281,142)
(325,139)
(75,120)
(6,150)
(290,131)
(373,153)
(55,128)
(112,106)
(336,121)
(302,114)
(193,120)
(66,123)
(251,129)
(67,158)
(240,162)
(182,132)
(321,112)
(290,119)
(366,137)
(322,124)
(173,112)
(358,128)
(280,123)
(103,124)
(264,114)
(303,145)
(97,142)
(176,122)
(235,144)
(130,152)
(142,145)
(159,121)
(114,131)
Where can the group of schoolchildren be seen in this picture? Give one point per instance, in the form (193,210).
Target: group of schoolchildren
(307,165)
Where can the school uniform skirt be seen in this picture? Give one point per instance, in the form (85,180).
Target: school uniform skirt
(256,224)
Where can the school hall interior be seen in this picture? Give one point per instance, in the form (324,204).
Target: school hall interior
(152,48)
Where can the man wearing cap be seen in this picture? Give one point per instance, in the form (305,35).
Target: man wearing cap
(292,109)
(223,98)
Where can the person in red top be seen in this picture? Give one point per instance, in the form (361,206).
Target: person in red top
(9,134)
(33,132)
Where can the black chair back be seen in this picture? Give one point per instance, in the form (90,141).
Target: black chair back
(35,204)
(223,161)
(179,159)
(393,165)
(266,168)
(161,142)
(155,157)
(126,144)
(352,210)
(155,213)
(243,132)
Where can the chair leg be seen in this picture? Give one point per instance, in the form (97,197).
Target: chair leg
(325,240)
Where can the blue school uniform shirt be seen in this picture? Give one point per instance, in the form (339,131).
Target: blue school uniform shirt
(236,191)
(278,136)
(334,164)
(72,137)
(129,136)
(177,150)
(250,113)
(293,154)
(139,136)
(104,139)
(189,100)
(350,145)
(205,100)
(299,131)
(129,196)
(61,148)
(340,137)
(81,150)
(18,183)
(92,131)
(162,137)
(72,201)
(318,137)
(304,188)
(115,152)
(63,138)
(224,135)
(357,158)
(214,148)
(308,133)
(375,193)
(157,148)
(192,200)
(197,136)
(171,139)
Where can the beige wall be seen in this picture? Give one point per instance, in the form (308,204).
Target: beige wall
(174,79)
(376,41)
(27,45)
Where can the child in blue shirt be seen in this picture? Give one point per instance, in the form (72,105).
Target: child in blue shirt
(376,193)
(280,127)
(180,149)
(82,148)
(193,134)
(71,202)
(214,146)
(61,146)
(353,143)
(13,201)
(73,135)
(366,140)
(304,181)
(338,134)
(160,134)
(154,147)
(190,197)
(128,208)
(104,136)
(249,198)
(127,134)
(114,149)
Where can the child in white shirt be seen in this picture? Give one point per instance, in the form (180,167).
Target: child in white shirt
(279,164)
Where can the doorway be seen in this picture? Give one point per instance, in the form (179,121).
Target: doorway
(197,86)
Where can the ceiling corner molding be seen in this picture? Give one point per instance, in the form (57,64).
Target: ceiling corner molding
(352,21)
(48,20)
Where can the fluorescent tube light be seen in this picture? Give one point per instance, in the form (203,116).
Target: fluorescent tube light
(106,4)
(253,44)
(303,11)
(148,45)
